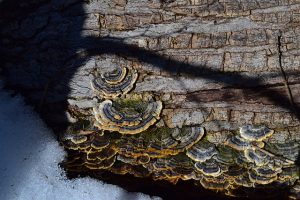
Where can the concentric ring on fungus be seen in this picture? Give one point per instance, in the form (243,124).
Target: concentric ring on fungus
(209,168)
(238,143)
(126,121)
(175,140)
(257,156)
(202,151)
(260,178)
(255,133)
(215,184)
(114,83)
(75,141)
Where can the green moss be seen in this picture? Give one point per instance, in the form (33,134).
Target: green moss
(134,106)
(156,134)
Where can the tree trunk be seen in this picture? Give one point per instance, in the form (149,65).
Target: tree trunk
(220,65)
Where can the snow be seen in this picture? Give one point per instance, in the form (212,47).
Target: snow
(29,157)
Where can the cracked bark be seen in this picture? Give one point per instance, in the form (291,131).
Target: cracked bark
(283,73)
(226,63)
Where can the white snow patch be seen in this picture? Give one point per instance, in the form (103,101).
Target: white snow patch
(29,157)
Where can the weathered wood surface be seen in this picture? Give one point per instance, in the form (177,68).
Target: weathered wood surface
(259,41)
(218,64)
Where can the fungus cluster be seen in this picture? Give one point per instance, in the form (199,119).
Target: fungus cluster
(126,141)
(90,151)
(185,153)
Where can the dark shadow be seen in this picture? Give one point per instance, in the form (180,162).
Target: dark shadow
(40,49)
(297,162)
(36,50)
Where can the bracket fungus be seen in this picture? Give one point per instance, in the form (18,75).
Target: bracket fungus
(255,133)
(188,136)
(225,155)
(174,141)
(244,181)
(257,156)
(129,144)
(219,183)
(114,83)
(261,178)
(129,119)
(75,141)
(238,143)
(202,151)
(209,168)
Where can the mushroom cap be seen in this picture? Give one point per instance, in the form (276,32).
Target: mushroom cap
(128,160)
(160,142)
(101,164)
(225,155)
(126,120)
(202,151)
(114,83)
(115,76)
(144,159)
(244,181)
(182,153)
(241,159)
(215,184)
(188,136)
(266,171)
(160,164)
(238,143)
(235,171)
(261,178)
(75,141)
(102,154)
(255,133)
(100,141)
(209,168)
(257,156)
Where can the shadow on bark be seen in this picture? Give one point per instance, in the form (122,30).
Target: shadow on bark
(108,45)
(42,47)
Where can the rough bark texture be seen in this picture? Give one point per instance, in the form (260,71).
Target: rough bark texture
(216,64)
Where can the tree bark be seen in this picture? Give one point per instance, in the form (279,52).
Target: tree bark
(216,64)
